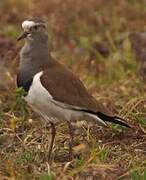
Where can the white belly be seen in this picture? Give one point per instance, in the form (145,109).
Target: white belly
(43,103)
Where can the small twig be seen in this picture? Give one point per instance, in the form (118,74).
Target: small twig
(123,175)
(142,128)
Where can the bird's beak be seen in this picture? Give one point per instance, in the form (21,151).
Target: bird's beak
(22,36)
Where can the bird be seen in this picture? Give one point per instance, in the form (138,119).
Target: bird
(52,90)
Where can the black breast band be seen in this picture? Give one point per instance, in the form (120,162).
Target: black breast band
(23,82)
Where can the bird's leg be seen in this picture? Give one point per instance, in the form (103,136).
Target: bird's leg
(53,133)
(71,134)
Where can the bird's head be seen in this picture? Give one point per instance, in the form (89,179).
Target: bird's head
(34,30)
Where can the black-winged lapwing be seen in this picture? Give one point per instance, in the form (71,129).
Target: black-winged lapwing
(53,91)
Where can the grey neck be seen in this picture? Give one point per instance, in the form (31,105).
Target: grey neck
(35,55)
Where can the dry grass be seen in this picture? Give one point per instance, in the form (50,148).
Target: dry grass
(91,39)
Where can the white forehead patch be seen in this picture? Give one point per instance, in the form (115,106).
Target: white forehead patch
(28,24)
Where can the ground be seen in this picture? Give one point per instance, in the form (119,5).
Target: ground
(93,39)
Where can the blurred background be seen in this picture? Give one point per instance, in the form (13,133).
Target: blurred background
(104,43)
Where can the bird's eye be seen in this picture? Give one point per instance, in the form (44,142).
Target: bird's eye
(35,27)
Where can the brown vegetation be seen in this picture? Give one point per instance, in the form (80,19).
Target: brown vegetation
(92,38)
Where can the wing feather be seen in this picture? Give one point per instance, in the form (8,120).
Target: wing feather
(65,87)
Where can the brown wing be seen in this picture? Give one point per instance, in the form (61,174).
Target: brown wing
(65,87)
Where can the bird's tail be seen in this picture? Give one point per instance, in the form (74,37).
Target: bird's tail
(112,119)
(103,118)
